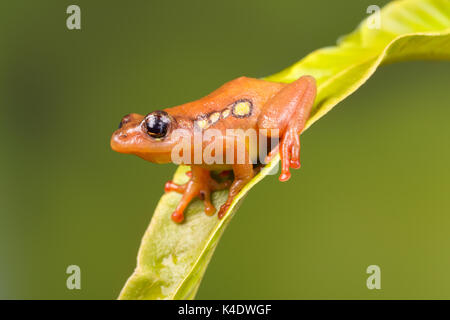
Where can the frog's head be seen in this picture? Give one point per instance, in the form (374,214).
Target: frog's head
(148,137)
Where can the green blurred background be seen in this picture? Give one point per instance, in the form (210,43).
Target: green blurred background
(373,189)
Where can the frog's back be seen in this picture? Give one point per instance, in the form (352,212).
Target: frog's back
(236,104)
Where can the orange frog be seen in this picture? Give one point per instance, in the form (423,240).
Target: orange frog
(243,103)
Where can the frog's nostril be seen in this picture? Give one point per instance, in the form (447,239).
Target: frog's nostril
(119,135)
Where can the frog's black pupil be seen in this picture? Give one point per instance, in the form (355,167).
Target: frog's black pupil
(157,124)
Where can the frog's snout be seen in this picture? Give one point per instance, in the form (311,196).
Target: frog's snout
(123,138)
(118,140)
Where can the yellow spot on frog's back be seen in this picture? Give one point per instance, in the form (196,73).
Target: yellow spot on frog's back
(202,123)
(214,117)
(225,113)
(242,108)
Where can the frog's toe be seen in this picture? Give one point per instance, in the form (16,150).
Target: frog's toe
(205,195)
(271,154)
(177,217)
(223,210)
(295,164)
(209,208)
(172,186)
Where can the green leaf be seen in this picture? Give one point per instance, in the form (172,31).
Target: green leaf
(173,257)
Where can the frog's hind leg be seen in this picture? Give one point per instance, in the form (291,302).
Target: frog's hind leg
(200,185)
(243,173)
(288,111)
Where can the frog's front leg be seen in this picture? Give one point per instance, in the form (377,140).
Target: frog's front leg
(288,111)
(200,185)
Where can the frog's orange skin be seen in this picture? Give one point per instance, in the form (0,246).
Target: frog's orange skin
(268,105)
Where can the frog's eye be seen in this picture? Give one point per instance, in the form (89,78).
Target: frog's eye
(157,124)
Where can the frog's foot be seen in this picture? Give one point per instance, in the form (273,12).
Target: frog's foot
(289,153)
(200,185)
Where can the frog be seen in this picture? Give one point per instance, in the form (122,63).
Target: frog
(243,103)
